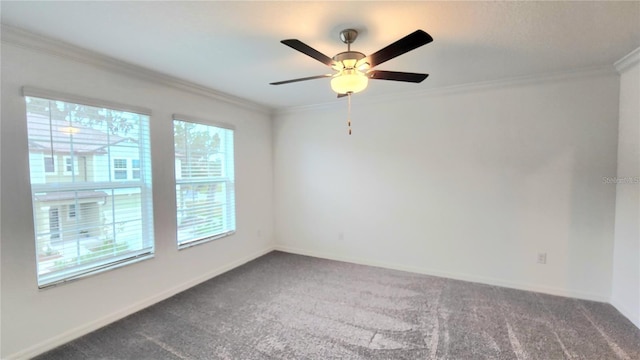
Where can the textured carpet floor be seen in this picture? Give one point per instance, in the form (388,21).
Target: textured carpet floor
(284,306)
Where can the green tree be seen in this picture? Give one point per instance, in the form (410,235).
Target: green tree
(195,144)
(194,136)
(116,122)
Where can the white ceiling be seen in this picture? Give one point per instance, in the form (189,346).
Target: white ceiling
(234,47)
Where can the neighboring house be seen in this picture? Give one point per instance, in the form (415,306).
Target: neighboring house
(72,223)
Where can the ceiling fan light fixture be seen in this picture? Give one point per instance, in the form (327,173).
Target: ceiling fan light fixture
(349,81)
(349,63)
(353,69)
(363,66)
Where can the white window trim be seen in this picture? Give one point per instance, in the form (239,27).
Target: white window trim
(74,165)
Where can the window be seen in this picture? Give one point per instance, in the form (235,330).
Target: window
(88,222)
(205,194)
(49,165)
(71,212)
(69,165)
(135,169)
(126,169)
(54,223)
(120,169)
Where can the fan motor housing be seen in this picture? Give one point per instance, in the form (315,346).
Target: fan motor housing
(349,55)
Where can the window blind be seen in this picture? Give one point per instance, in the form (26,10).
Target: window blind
(90,172)
(205,188)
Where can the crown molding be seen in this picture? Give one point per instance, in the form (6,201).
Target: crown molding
(628,61)
(581,73)
(28,40)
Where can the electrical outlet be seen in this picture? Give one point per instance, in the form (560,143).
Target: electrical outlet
(542,258)
(340,236)
(259,233)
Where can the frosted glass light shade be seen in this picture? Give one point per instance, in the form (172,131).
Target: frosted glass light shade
(349,81)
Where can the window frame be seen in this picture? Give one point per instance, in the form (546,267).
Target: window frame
(65,165)
(53,164)
(228,179)
(115,170)
(130,170)
(75,211)
(143,184)
(134,169)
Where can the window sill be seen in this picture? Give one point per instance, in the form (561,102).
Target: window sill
(186,245)
(90,272)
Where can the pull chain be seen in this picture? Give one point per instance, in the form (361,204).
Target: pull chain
(349,112)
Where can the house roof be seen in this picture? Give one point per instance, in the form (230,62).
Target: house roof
(58,136)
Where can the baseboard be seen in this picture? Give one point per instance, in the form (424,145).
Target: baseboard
(626,312)
(456,276)
(106,320)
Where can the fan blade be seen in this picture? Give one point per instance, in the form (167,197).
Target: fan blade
(301,79)
(396,76)
(404,45)
(308,50)
(342,95)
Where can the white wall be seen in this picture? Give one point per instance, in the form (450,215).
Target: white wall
(468,184)
(34,320)
(625,293)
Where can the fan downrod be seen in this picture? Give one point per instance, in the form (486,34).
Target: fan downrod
(348,36)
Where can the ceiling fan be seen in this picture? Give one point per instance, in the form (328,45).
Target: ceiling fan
(354,69)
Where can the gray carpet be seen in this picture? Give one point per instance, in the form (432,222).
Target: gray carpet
(284,306)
